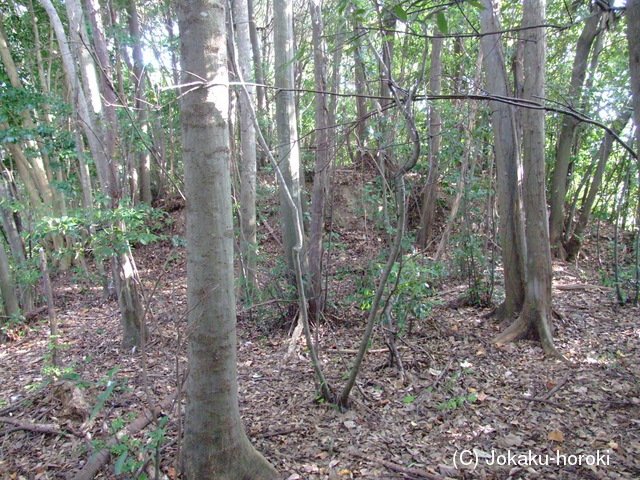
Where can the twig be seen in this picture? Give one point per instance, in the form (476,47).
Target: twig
(35,427)
(545,398)
(582,286)
(540,400)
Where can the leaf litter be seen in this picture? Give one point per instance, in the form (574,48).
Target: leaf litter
(462,408)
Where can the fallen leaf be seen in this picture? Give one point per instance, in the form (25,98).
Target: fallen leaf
(512,440)
(556,436)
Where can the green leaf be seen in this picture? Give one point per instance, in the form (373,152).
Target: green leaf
(409,398)
(441,21)
(400,13)
(120,462)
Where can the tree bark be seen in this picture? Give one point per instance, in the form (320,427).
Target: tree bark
(286,123)
(34,168)
(92,121)
(574,244)
(535,317)
(565,141)
(430,193)
(8,287)
(248,157)
(215,444)
(323,158)
(361,84)
(256,51)
(508,164)
(15,244)
(139,80)
(633,39)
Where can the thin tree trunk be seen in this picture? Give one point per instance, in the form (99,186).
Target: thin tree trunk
(467,167)
(215,444)
(286,122)
(92,122)
(248,157)
(361,84)
(558,191)
(51,311)
(8,287)
(15,245)
(323,158)
(633,40)
(536,312)
(139,80)
(256,51)
(430,193)
(575,242)
(507,147)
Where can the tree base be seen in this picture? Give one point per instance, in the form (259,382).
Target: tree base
(532,326)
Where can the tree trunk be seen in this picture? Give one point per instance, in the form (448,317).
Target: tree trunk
(430,193)
(536,311)
(8,287)
(248,158)
(564,144)
(256,51)
(575,242)
(507,152)
(92,121)
(633,39)
(215,444)
(139,79)
(107,88)
(15,244)
(286,122)
(361,92)
(323,158)
(33,166)
(467,167)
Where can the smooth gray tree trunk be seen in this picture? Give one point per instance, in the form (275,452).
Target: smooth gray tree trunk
(215,443)
(430,192)
(91,112)
(248,158)
(535,317)
(508,164)
(323,158)
(633,39)
(564,144)
(286,124)
(8,287)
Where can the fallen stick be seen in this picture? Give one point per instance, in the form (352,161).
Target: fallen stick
(34,427)
(581,286)
(398,468)
(97,461)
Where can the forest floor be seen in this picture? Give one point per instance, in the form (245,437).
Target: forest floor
(463,408)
